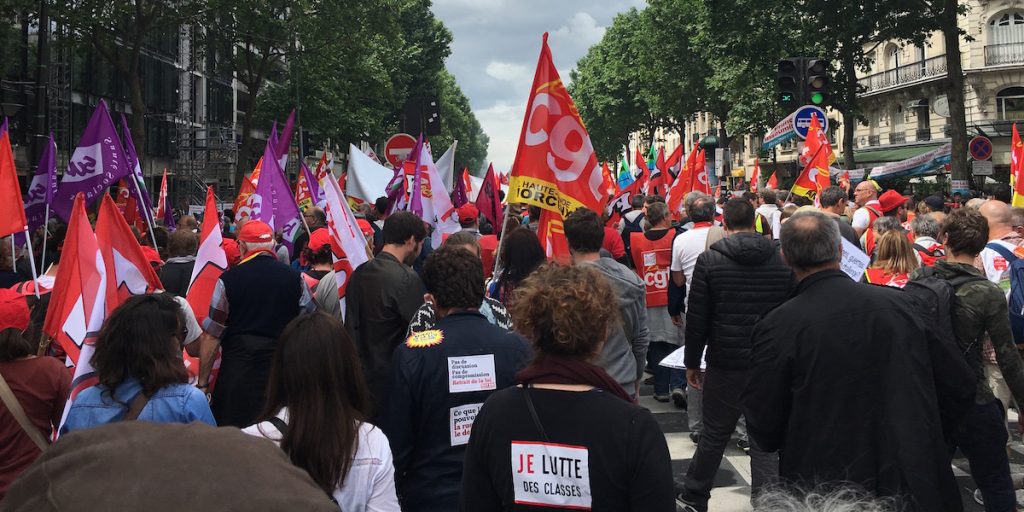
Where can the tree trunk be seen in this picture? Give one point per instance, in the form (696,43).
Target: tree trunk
(955,91)
(850,111)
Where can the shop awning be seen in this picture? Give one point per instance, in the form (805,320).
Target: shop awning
(876,156)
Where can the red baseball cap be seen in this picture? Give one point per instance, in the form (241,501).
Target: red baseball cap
(891,200)
(231,251)
(256,232)
(13,310)
(468,212)
(365,227)
(319,239)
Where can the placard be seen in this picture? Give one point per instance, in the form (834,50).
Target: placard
(854,261)
(551,475)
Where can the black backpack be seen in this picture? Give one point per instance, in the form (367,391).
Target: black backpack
(936,299)
(628,228)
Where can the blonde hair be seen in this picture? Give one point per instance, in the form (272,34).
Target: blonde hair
(894,254)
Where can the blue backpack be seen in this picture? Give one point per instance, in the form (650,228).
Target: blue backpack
(1016,290)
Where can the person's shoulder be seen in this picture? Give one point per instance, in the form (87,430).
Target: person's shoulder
(374,440)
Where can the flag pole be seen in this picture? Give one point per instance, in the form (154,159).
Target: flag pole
(149,214)
(31,261)
(46,236)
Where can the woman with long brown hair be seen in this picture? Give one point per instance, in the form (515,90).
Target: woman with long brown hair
(140,371)
(316,412)
(568,436)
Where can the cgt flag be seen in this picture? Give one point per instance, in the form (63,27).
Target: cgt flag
(348,246)
(1017,168)
(816,175)
(128,271)
(555,166)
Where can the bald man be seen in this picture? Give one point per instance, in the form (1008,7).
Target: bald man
(866,197)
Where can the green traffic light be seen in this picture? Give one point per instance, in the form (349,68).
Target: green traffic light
(817,98)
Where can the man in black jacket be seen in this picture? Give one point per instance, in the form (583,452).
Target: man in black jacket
(382,296)
(737,280)
(847,380)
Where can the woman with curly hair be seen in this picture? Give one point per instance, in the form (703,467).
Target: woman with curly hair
(140,370)
(568,435)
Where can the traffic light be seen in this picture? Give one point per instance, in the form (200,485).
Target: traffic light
(817,81)
(789,83)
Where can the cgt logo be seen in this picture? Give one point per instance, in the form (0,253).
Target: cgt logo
(656,278)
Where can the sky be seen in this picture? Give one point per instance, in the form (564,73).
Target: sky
(495,48)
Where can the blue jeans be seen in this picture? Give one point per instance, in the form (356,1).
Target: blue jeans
(665,379)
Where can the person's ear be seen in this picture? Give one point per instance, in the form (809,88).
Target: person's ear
(428,297)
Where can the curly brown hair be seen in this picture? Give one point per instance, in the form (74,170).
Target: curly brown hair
(565,311)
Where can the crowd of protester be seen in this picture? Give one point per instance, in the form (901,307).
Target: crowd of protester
(478,376)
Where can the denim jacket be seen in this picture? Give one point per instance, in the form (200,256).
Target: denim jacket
(177,403)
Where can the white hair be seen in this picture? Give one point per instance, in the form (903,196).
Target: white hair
(830,498)
(251,247)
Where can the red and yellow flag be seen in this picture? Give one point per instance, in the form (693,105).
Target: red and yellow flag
(555,166)
(815,176)
(1017,169)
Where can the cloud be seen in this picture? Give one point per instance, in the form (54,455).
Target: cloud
(495,47)
(506,71)
(582,28)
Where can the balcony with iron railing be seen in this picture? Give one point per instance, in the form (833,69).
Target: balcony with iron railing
(924,134)
(900,75)
(1002,54)
(874,140)
(897,137)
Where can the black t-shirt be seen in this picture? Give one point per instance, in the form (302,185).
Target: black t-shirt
(601,452)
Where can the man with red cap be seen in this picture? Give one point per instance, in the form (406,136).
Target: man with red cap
(469,218)
(251,304)
(890,203)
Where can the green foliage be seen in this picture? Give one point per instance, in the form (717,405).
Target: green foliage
(459,123)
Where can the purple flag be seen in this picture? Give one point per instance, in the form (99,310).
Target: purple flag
(146,205)
(416,195)
(273,201)
(169,219)
(396,191)
(98,162)
(459,196)
(285,142)
(43,186)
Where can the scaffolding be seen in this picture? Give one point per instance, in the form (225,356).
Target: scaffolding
(59,95)
(206,152)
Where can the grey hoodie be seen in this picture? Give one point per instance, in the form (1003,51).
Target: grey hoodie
(625,352)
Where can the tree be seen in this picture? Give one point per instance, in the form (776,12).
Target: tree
(606,87)
(459,123)
(119,31)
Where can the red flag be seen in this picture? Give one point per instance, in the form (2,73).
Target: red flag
(1017,164)
(243,210)
(683,183)
(77,307)
(701,182)
(607,184)
(844,180)
(755,176)
(815,176)
(551,233)
(621,204)
(773,182)
(161,202)
(555,166)
(658,180)
(303,195)
(210,261)
(488,201)
(12,209)
(128,271)
(645,174)
(673,159)
(210,264)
